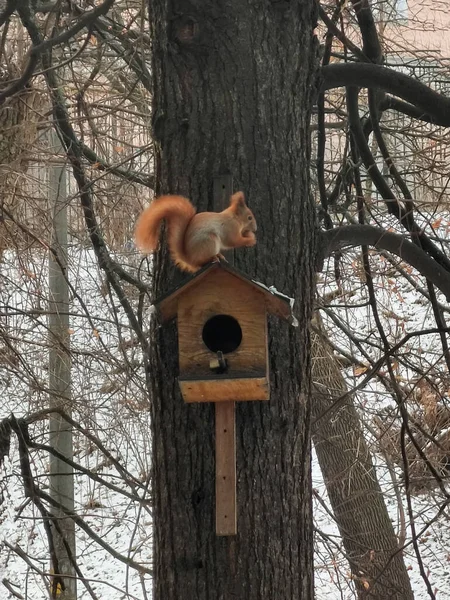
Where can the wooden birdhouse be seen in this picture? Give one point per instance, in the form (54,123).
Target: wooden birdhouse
(223,356)
(222,334)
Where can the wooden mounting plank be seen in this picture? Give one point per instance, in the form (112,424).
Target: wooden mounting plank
(214,390)
(226,518)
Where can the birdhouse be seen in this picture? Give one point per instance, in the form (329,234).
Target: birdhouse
(222,334)
(223,357)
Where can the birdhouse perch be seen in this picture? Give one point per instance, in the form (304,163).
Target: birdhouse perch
(223,357)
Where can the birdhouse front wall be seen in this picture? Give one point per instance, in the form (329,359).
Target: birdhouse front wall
(222,294)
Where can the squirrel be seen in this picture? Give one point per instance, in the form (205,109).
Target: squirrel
(196,239)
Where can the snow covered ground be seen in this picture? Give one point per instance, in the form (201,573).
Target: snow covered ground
(109,400)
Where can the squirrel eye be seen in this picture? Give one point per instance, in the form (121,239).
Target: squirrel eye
(249,217)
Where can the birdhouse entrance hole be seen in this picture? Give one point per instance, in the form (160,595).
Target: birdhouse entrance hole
(222,333)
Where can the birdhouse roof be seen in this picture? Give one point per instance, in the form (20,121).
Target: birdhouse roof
(276,303)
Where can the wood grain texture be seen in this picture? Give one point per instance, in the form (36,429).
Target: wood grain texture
(167,304)
(226,511)
(222,293)
(245,389)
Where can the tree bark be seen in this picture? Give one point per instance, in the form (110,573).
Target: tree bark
(352,485)
(233,90)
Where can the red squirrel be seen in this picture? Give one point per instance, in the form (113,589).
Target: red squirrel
(196,239)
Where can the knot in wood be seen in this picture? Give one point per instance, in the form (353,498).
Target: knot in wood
(186,29)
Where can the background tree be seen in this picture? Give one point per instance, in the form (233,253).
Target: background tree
(347,467)
(112,471)
(374,165)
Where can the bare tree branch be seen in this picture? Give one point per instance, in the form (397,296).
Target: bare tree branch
(397,83)
(38,48)
(360,235)
(392,203)
(332,27)
(7,11)
(37,495)
(93,158)
(391,103)
(21,82)
(87,19)
(371,42)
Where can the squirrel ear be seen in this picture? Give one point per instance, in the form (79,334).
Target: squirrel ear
(238,200)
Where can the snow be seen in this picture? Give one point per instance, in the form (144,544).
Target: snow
(402,311)
(110,402)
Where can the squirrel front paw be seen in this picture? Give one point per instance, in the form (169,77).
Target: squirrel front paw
(249,238)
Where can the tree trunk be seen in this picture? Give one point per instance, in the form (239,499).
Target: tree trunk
(351,481)
(233,92)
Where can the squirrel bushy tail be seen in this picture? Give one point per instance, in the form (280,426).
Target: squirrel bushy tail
(178,212)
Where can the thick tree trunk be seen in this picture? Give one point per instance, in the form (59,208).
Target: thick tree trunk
(352,485)
(234,86)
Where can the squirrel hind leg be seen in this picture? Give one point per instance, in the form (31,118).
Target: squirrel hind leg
(184,266)
(203,249)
